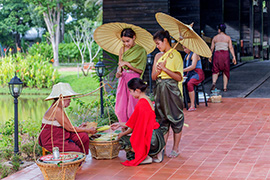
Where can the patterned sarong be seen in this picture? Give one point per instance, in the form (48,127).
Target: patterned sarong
(157,144)
(169,105)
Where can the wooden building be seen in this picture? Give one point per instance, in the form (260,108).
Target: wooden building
(247,21)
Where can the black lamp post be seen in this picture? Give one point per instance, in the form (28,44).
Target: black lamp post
(15,88)
(149,65)
(100,70)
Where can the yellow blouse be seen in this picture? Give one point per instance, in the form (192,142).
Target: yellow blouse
(174,63)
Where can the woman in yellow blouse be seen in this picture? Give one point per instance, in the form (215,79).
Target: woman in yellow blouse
(168,72)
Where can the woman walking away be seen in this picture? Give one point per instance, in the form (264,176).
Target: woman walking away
(194,74)
(132,62)
(146,140)
(221,43)
(168,72)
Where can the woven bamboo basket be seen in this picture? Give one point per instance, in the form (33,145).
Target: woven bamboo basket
(66,171)
(216,99)
(104,149)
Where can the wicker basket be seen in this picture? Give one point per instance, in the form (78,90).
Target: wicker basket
(104,149)
(216,99)
(66,171)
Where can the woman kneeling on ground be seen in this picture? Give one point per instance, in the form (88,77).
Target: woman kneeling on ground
(55,121)
(146,140)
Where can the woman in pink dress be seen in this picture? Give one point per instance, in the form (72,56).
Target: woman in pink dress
(132,63)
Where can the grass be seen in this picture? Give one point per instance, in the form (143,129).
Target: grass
(83,84)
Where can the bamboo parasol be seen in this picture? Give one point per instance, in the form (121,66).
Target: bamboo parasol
(108,36)
(184,34)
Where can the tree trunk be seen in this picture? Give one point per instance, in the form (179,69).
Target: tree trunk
(17,41)
(52,20)
(55,54)
(62,27)
(57,39)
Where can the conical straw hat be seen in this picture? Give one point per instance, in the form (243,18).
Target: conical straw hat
(108,37)
(184,34)
(61,88)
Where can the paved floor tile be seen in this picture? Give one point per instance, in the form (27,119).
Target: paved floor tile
(228,140)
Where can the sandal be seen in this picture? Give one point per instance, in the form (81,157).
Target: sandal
(147,160)
(173,154)
(213,87)
(160,156)
(192,109)
(225,90)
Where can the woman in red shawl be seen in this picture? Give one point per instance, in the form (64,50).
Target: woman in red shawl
(144,128)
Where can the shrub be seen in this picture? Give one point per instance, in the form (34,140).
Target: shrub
(68,52)
(29,130)
(7,134)
(5,170)
(34,70)
(7,153)
(41,48)
(32,129)
(28,150)
(91,111)
(16,162)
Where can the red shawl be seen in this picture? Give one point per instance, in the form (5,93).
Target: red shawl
(142,121)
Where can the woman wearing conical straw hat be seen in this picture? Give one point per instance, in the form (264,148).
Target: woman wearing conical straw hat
(168,72)
(55,121)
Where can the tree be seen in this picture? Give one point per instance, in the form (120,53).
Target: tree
(14,22)
(97,6)
(51,10)
(90,9)
(36,19)
(83,39)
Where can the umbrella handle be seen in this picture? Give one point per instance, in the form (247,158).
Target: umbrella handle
(176,44)
(171,51)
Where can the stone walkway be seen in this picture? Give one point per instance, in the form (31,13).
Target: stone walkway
(224,141)
(249,80)
(68,69)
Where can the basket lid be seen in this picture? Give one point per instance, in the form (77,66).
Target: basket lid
(63,158)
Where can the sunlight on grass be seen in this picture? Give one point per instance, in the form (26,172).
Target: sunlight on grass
(82,84)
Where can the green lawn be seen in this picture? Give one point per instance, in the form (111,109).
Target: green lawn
(82,84)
